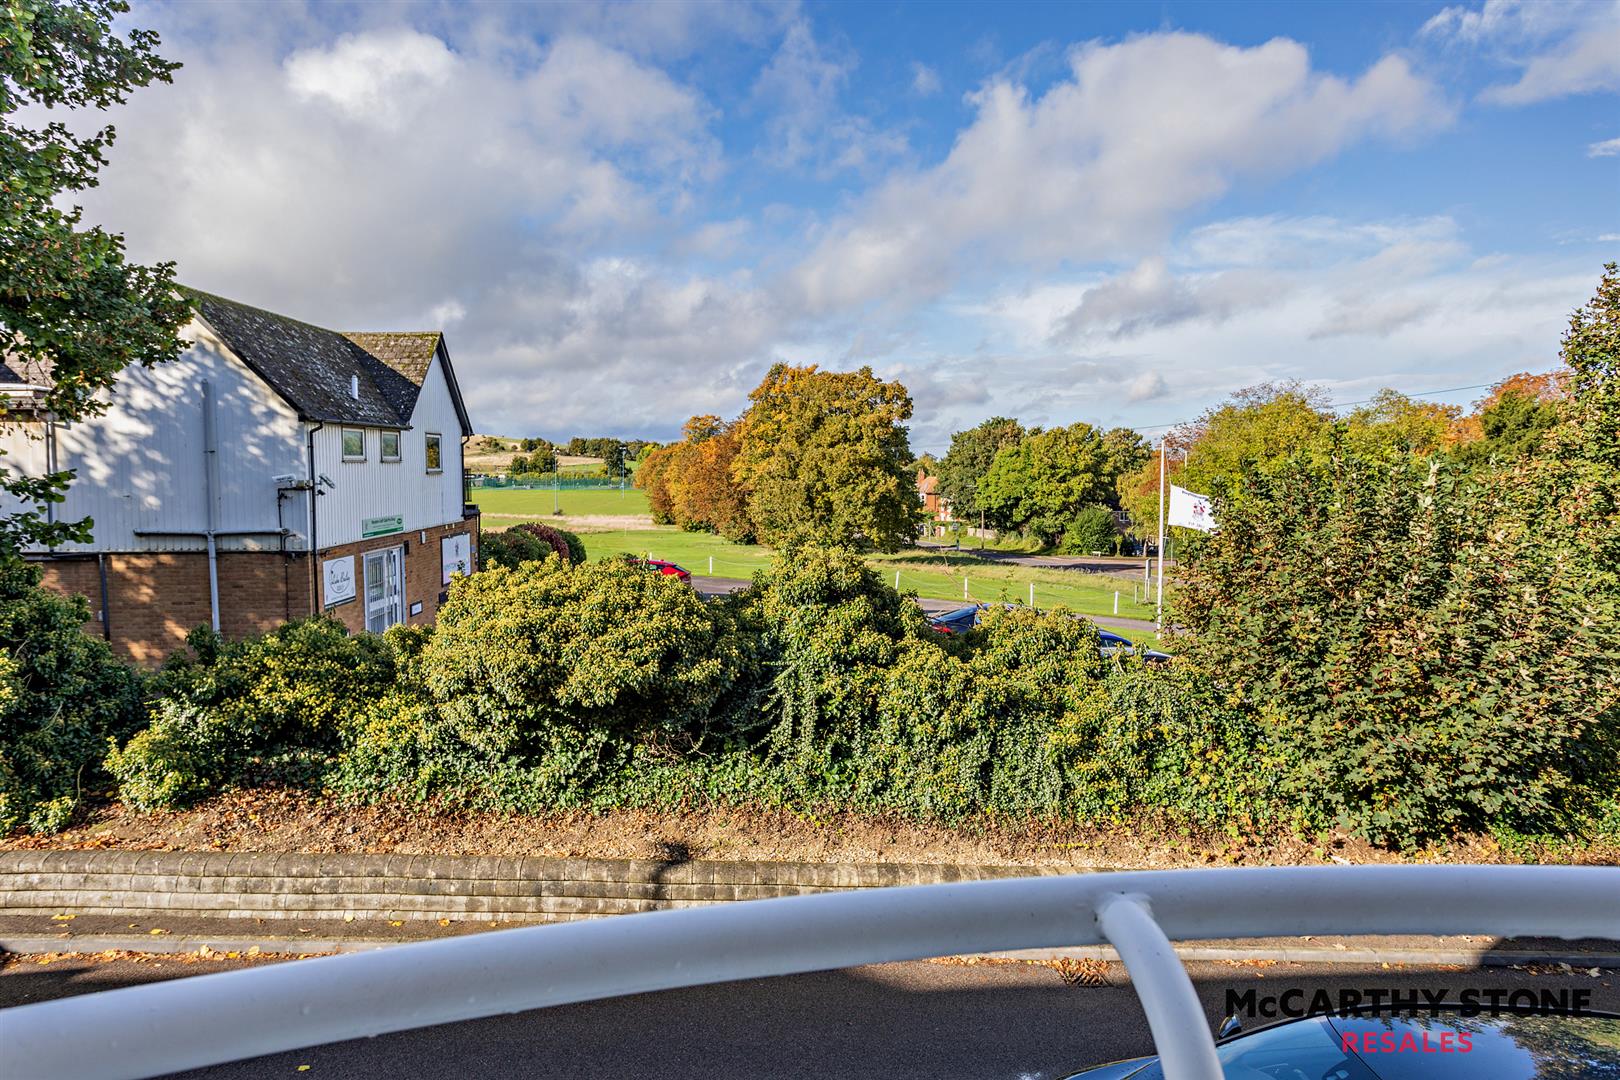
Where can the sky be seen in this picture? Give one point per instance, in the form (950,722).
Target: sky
(622,214)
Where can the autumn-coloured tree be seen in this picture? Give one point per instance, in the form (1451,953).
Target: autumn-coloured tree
(825,455)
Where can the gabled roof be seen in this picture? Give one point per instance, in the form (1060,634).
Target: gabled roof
(313,369)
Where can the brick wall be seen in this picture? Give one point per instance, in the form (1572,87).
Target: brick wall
(424,570)
(154,599)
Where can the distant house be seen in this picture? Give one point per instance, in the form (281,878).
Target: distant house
(936,508)
(274,470)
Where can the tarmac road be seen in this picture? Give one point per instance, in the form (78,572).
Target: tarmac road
(934,1020)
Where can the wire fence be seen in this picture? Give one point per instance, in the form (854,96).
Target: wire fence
(548,482)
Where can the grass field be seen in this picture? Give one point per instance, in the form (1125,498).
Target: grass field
(537,504)
(935,576)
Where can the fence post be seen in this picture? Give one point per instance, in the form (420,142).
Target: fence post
(964,589)
(711,566)
(1116,601)
(897,581)
(1032,594)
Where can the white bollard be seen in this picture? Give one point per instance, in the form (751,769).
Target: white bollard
(964,589)
(1032,594)
(711,569)
(897,581)
(1116,601)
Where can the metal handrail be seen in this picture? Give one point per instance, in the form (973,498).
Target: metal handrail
(230,1016)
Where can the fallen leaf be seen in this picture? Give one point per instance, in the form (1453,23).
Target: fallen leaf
(253,950)
(396,922)
(444,922)
(348,916)
(155,931)
(63,918)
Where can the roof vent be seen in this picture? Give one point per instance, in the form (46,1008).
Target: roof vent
(354,387)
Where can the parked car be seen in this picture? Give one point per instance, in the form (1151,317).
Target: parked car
(668,569)
(964,619)
(1425,1046)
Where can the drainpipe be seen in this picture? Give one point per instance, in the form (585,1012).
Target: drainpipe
(211,487)
(106,616)
(314,596)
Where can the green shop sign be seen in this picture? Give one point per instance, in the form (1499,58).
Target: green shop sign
(382,526)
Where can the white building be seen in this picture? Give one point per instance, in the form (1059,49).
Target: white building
(275,469)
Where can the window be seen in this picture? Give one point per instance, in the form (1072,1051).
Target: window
(435,462)
(390,446)
(354,444)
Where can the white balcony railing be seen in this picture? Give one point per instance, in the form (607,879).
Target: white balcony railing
(210,1019)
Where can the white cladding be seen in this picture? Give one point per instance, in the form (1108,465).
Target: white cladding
(141,476)
(374,490)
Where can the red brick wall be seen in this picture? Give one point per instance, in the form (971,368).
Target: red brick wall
(154,599)
(424,570)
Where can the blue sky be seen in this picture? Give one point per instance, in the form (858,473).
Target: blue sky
(621,214)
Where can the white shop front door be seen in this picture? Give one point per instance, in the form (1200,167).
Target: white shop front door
(385,588)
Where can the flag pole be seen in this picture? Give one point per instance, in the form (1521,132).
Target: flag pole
(1159,611)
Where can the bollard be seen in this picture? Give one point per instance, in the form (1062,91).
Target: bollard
(1116,601)
(1032,594)
(711,569)
(897,581)
(964,589)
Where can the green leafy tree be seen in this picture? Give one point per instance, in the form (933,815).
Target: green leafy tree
(73,311)
(825,455)
(63,696)
(967,462)
(1592,353)
(1041,484)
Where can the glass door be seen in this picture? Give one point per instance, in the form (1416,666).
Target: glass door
(385,589)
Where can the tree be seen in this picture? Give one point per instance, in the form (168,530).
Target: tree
(825,455)
(1393,423)
(653,477)
(704,497)
(73,311)
(1592,353)
(1256,425)
(968,460)
(1041,484)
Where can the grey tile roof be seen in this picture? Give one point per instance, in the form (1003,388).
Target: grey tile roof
(313,368)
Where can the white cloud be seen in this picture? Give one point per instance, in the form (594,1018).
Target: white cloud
(1559,49)
(378,78)
(1146,387)
(807,127)
(924,79)
(1606,148)
(1105,162)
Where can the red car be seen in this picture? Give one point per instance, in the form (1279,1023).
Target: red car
(668,569)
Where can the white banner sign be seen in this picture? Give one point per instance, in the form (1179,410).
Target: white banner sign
(456,552)
(1190,510)
(339,575)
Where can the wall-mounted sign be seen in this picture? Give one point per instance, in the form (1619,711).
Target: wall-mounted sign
(457,555)
(416,608)
(382,526)
(339,577)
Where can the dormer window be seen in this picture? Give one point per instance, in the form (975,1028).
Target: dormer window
(354,387)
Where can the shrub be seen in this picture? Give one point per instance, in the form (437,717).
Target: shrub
(827,630)
(530,542)
(1421,660)
(269,708)
(556,672)
(1093,529)
(63,696)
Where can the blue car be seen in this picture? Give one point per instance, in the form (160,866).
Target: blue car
(966,618)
